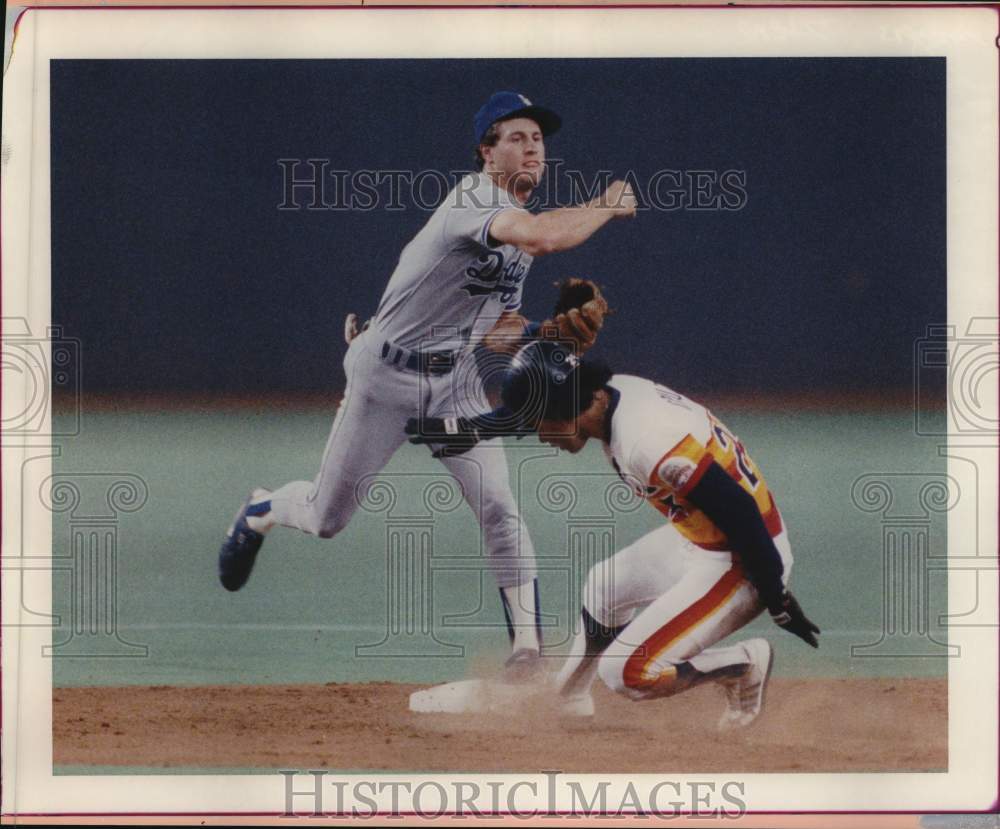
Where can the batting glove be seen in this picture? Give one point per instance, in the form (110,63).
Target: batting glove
(787,614)
(453,435)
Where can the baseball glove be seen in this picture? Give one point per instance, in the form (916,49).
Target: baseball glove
(580,311)
(454,435)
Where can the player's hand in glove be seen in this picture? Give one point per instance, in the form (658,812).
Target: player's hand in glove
(579,312)
(786,613)
(454,435)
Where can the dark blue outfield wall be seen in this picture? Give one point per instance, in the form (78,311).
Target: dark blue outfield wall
(817,261)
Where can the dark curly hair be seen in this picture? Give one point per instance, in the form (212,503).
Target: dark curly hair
(592,376)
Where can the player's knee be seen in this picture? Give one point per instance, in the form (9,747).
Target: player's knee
(500,520)
(329,530)
(624,677)
(609,669)
(503,534)
(327,526)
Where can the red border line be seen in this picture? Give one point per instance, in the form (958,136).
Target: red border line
(470,816)
(511,6)
(995,806)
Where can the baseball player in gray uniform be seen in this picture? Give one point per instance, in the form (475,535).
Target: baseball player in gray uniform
(458,284)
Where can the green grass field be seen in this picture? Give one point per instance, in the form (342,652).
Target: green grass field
(311,603)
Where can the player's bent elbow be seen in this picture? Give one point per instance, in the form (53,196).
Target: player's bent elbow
(537,238)
(532,243)
(529,233)
(541,245)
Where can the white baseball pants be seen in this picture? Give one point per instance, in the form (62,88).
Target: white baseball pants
(368,429)
(675,600)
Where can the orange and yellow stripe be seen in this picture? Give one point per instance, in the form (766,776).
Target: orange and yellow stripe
(694,524)
(636,673)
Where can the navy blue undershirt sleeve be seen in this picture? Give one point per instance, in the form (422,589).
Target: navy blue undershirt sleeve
(733,510)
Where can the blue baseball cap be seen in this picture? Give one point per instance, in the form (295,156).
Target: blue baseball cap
(505,105)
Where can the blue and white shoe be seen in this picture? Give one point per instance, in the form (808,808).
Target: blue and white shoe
(239,551)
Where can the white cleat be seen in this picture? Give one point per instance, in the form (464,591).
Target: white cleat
(745,693)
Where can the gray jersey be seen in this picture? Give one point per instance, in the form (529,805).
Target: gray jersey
(452,276)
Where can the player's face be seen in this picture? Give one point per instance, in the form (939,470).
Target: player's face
(563,434)
(519,154)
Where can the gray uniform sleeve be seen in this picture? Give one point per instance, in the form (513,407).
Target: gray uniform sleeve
(471,212)
(469,223)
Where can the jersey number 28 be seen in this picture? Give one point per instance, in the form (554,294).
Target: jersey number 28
(743,461)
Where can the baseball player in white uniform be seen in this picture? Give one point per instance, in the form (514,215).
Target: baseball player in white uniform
(653,612)
(458,282)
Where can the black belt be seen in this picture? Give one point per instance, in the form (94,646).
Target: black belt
(424,362)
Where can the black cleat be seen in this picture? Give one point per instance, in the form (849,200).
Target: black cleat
(239,551)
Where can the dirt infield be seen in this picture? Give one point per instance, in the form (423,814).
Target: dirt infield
(809,725)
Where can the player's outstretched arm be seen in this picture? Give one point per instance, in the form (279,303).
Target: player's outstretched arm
(564,227)
(733,510)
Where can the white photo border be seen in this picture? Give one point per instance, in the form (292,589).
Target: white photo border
(964,36)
